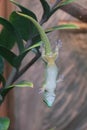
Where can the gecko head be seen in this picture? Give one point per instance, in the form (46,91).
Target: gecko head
(49,98)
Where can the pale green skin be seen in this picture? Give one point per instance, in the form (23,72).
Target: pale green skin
(50,84)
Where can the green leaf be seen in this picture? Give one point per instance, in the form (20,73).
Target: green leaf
(60,4)
(9,56)
(1,65)
(20,84)
(43,36)
(34,46)
(5,90)
(64,2)
(2,80)
(46,9)
(24,84)
(24,10)
(23,25)
(37,38)
(60,27)
(7,38)
(21,56)
(9,35)
(4,123)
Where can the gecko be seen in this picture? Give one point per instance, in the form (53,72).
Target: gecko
(51,74)
(51,69)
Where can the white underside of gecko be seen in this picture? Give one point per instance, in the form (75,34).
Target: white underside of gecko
(51,73)
(50,84)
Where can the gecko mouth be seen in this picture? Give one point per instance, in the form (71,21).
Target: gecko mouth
(49,99)
(45,101)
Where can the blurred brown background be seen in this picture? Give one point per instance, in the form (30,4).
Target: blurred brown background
(26,108)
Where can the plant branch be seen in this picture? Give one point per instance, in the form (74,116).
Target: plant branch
(11,77)
(56,3)
(76,11)
(24,69)
(73,9)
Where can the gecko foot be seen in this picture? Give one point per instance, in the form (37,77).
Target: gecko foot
(61,78)
(41,90)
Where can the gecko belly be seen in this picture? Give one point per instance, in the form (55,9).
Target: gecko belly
(50,84)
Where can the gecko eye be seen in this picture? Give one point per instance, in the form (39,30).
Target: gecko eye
(45,90)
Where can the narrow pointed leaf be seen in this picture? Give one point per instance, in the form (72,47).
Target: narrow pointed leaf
(33,46)
(20,84)
(24,10)
(5,90)
(59,27)
(46,9)
(9,56)
(23,25)
(65,2)
(1,65)
(60,4)
(21,56)
(9,35)
(62,27)
(24,84)
(2,80)
(4,123)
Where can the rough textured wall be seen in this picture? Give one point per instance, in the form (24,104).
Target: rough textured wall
(70,109)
